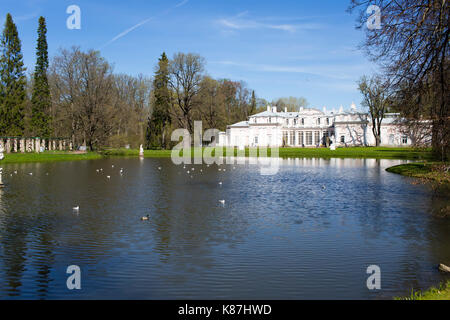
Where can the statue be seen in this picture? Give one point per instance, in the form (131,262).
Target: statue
(332,145)
(141,151)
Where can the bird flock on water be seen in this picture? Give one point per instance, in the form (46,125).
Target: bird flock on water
(189,171)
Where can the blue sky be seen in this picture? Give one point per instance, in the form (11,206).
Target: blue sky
(279,48)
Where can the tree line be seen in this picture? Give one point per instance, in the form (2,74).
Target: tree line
(77,95)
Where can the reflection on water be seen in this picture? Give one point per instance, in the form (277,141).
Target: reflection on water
(310,231)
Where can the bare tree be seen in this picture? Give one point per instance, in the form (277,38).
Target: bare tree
(186,73)
(413,47)
(83,84)
(375,93)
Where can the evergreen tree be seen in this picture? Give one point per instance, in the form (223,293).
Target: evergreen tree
(12,81)
(160,118)
(41,100)
(253,104)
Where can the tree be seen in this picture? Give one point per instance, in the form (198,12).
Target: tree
(12,81)
(84,91)
(292,104)
(41,100)
(131,100)
(186,73)
(160,118)
(253,103)
(413,48)
(376,99)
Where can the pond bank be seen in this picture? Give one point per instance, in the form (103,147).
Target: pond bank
(354,152)
(441,293)
(434,171)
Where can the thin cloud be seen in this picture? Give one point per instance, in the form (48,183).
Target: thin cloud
(340,72)
(124,33)
(238,22)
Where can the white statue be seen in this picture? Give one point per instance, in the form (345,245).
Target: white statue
(141,151)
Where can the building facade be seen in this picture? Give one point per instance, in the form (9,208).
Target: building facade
(311,127)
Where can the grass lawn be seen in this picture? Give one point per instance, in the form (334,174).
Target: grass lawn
(354,152)
(48,156)
(424,170)
(441,293)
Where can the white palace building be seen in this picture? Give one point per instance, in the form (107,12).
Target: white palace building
(311,127)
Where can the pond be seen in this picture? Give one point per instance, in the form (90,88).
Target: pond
(308,232)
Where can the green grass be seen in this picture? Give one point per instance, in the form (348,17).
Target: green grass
(441,293)
(424,170)
(359,152)
(355,152)
(48,156)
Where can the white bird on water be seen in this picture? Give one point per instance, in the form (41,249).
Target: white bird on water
(31,173)
(220,183)
(76,208)
(109,177)
(222,201)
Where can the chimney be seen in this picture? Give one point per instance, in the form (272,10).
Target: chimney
(268,108)
(285,109)
(274,109)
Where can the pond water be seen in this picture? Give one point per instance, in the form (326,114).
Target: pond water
(308,232)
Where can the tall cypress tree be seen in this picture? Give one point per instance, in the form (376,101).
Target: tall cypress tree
(160,117)
(41,100)
(12,81)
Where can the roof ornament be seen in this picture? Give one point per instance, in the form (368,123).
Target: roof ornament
(341,109)
(353,107)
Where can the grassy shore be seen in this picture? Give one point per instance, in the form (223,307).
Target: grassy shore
(441,293)
(434,171)
(355,152)
(49,156)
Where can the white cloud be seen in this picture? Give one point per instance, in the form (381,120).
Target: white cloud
(335,71)
(238,22)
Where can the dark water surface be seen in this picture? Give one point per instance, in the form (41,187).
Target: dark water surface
(308,232)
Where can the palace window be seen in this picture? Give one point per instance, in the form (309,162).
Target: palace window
(328,120)
(256,140)
(292,138)
(270,120)
(404,139)
(303,121)
(317,137)
(301,138)
(318,121)
(287,121)
(295,121)
(308,138)
(342,139)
